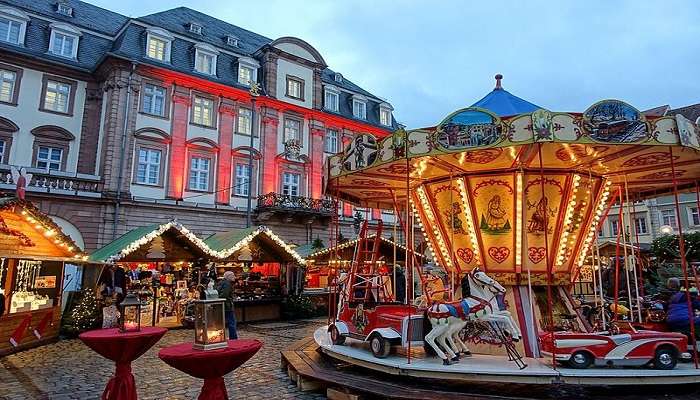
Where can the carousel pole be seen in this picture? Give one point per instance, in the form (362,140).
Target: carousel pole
(623,225)
(396,240)
(684,260)
(452,241)
(638,259)
(616,293)
(550,305)
(408,261)
(697,198)
(632,225)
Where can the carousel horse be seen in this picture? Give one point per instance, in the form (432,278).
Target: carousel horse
(448,319)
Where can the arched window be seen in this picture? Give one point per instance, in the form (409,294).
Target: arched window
(7,129)
(51,147)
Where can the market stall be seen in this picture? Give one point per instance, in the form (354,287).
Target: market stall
(33,251)
(266,269)
(162,263)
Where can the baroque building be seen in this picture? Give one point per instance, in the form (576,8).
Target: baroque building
(125,122)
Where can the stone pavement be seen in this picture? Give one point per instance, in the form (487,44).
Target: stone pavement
(70,370)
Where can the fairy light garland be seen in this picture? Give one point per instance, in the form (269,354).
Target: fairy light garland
(568,217)
(470,223)
(49,229)
(425,234)
(519,220)
(594,223)
(431,220)
(352,243)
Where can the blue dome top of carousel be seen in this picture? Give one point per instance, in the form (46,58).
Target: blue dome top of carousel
(502,103)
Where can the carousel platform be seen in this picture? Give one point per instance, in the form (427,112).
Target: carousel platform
(316,364)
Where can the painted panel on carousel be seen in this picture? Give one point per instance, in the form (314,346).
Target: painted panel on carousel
(566,127)
(542,126)
(541,210)
(467,129)
(419,142)
(665,130)
(361,153)
(456,221)
(614,121)
(494,205)
(334,165)
(687,131)
(520,129)
(393,147)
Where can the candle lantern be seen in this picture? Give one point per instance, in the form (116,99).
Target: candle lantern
(130,314)
(209,323)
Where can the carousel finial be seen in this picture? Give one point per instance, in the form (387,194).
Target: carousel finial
(498,81)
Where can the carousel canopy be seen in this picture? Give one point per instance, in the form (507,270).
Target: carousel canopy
(27,232)
(502,103)
(521,193)
(169,242)
(263,245)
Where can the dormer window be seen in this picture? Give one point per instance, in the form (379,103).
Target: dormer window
(13,25)
(64,41)
(64,9)
(232,41)
(338,77)
(158,44)
(205,59)
(331,96)
(385,114)
(195,28)
(247,71)
(359,107)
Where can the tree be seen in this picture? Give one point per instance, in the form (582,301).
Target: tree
(317,243)
(85,315)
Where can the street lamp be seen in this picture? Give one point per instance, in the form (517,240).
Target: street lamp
(254,93)
(666,229)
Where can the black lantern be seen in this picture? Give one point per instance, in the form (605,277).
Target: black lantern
(130,314)
(209,322)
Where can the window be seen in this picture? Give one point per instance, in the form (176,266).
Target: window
(694,216)
(205,59)
(199,173)
(338,77)
(154,100)
(245,75)
(148,169)
(292,130)
(242,182)
(295,88)
(614,227)
(10,30)
(245,121)
(195,28)
(359,109)
(49,158)
(158,45)
(64,9)
(290,184)
(57,96)
(600,232)
(203,111)
(331,141)
(232,41)
(640,225)
(2,151)
(8,80)
(63,44)
(330,101)
(385,116)
(668,217)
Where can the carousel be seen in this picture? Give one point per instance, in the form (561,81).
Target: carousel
(509,196)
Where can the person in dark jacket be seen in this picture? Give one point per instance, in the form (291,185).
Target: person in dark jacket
(225,289)
(678,318)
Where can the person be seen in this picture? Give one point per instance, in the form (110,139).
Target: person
(225,289)
(673,285)
(678,317)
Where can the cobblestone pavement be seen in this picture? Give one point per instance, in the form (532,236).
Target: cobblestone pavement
(70,370)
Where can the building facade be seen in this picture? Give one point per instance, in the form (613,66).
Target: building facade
(125,121)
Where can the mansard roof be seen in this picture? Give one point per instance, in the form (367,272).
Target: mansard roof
(85,15)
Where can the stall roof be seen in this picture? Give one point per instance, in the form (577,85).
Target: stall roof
(134,239)
(227,243)
(309,252)
(38,235)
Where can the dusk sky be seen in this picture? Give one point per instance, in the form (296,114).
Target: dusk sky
(431,58)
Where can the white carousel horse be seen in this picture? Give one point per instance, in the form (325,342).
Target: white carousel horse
(448,319)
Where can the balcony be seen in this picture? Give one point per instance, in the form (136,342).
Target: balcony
(291,206)
(54,182)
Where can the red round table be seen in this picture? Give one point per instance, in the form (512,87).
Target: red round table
(210,365)
(122,348)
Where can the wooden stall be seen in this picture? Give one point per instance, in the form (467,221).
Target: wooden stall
(162,263)
(33,250)
(266,270)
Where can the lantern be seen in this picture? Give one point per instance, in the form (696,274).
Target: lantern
(130,314)
(209,323)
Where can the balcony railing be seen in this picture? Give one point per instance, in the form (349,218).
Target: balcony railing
(296,204)
(55,182)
